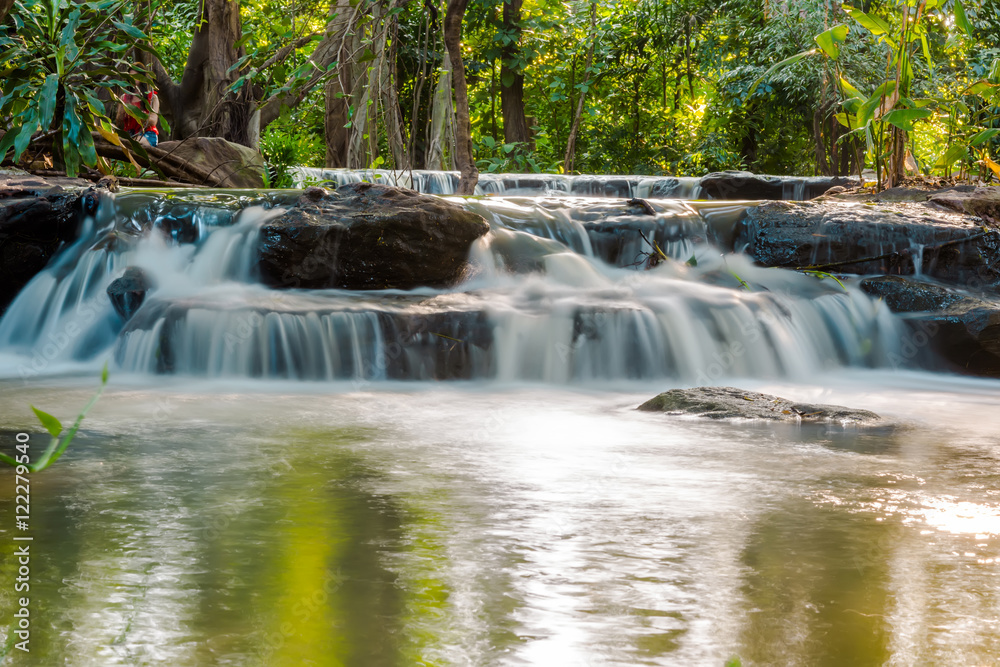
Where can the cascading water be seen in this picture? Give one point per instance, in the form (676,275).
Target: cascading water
(726,185)
(556,293)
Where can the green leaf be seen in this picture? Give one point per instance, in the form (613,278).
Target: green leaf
(983,136)
(867,110)
(961,21)
(692,261)
(903,118)
(47,100)
(927,52)
(874,24)
(51,424)
(952,155)
(6,143)
(104,374)
(367,56)
(24,136)
(831,40)
(778,65)
(88,152)
(979,88)
(67,39)
(131,31)
(849,90)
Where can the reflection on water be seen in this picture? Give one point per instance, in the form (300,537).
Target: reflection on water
(194,526)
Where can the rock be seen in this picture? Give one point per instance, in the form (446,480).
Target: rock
(237,166)
(128,292)
(368,236)
(962,328)
(893,238)
(904,295)
(745,185)
(981,202)
(732,403)
(37,218)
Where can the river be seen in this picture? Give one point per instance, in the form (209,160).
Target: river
(261,500)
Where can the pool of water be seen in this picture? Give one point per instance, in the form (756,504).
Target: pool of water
(196,522)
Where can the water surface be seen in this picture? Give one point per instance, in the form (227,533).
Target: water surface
(225,523)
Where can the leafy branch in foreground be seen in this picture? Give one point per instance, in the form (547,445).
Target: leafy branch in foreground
(58,444)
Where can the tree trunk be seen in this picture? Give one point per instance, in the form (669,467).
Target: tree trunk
(570,159)
(201,105)
(463,125)
(340,89)
(515,125)
(896,164)
(441,116)
(5,6)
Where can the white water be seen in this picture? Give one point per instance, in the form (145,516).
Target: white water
(541,303)
(204,517)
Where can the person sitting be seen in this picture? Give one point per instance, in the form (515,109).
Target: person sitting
(146,134)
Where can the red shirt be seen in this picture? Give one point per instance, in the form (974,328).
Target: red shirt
(131,124)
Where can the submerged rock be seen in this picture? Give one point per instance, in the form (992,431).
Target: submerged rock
(732,403)
(961,327)
(367,236)
(37,217)
(871,239)
(128,292)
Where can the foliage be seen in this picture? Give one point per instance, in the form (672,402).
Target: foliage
(60,63)
(57,446)
(676,86)
(285,145)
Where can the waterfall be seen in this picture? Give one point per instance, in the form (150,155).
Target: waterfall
(561,290)
(537,185)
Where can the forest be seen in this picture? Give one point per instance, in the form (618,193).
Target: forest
(679,87)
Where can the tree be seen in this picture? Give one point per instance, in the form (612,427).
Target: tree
(515,125)
(463,127)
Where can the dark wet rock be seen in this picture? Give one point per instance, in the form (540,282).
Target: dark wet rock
(965,335)
(868,238)
(746,185)
(367,236)
(230,165)
(128,292)
(732,403)
(37,218)
(904,295)
(962,328)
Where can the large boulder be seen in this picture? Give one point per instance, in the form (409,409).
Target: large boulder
(961,327)
(230,165)
(37,217)
(732,403)
(870,238)
(746,185)
(367,236)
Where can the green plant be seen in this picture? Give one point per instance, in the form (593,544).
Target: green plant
(284,147)
(56,57)
(885,118)
(57,446)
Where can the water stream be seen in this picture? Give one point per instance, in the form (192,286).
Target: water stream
(459,476)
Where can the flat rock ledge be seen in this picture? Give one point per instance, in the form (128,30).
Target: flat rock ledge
(733,403)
